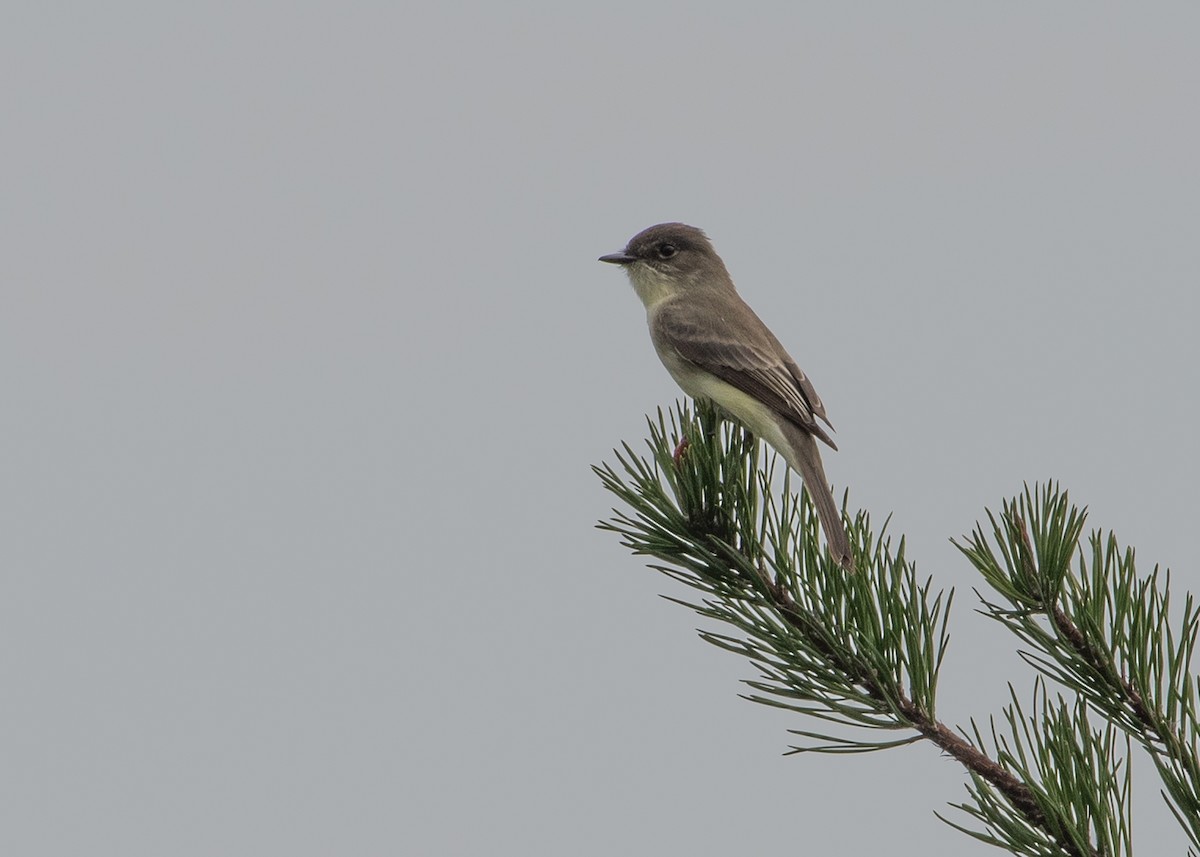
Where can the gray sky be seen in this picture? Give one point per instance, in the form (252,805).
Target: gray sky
(305,356)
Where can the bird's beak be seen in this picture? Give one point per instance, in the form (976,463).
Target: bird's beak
(621,258)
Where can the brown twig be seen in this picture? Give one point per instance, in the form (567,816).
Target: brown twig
(942,736)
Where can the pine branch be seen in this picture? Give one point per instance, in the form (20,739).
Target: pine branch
(859,651)
(1069,767)
(1105,634)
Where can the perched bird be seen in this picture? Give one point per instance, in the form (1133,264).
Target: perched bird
(716,348)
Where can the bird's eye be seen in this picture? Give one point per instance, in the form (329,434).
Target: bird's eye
(666,251)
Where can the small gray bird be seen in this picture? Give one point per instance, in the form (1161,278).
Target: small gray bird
(716,348)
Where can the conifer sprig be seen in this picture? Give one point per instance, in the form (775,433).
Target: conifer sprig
(862,652)
(1103,633)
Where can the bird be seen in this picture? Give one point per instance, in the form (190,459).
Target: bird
(716,348)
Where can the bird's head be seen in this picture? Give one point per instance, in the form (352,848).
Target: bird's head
(669,258)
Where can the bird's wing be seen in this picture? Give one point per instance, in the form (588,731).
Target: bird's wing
(745,355)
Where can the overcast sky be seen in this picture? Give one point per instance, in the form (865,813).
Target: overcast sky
(305,354)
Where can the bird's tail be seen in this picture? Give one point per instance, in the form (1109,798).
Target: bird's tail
(805,459)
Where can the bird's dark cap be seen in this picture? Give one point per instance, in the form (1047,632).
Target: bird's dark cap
(641,245)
